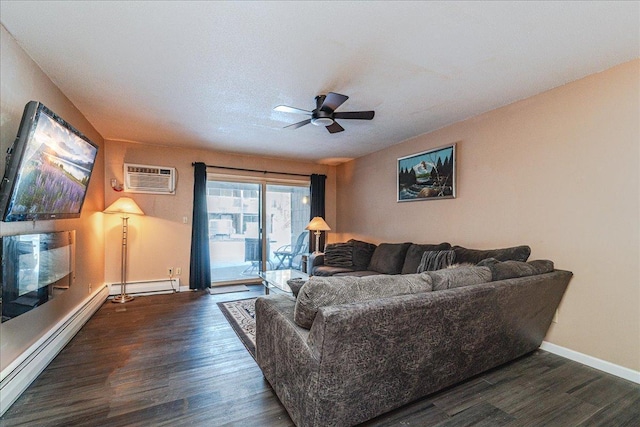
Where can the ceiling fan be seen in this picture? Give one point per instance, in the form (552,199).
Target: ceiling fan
(325,114)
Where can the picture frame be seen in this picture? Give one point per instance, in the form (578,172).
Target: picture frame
(428,175)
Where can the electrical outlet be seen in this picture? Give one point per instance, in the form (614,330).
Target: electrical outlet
(169,271)
(178,271)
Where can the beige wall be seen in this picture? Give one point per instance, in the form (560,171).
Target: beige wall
(21,81)
(160,239)
(559,172)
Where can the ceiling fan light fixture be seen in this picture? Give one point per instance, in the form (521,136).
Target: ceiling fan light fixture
(322,121)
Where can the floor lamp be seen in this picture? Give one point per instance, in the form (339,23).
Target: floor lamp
(317,224)
(124,206)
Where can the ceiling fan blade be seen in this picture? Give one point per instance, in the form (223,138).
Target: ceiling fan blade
(333,101)
(360,115)
(287,109)
(299,124)
(335,128)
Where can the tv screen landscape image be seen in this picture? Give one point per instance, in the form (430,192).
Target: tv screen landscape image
(48,168)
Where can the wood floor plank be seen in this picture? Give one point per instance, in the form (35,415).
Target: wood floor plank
(174,360)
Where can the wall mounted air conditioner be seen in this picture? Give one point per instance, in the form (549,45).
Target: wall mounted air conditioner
(149,179)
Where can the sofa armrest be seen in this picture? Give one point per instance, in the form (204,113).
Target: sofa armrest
(316,259)
(284,356)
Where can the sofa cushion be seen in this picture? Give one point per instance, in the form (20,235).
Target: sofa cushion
(358,273)
(327,291)
(450,278)
(388,258)
(501,270)
(474,256)
(295,285)
(338,255)
(362,253)
(414,255)
(436,260)
(325,270)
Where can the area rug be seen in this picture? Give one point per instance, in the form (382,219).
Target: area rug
(241,315)
(227,289)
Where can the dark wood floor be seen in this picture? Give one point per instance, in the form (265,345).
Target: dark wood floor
(173,360)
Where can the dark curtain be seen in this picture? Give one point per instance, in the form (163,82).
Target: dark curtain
(317,207)
(200,264)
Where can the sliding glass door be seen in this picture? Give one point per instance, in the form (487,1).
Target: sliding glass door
(255,225)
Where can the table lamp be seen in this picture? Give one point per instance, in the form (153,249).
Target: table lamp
(317,224)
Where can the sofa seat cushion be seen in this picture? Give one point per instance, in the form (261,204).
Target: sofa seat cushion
(474,256)
(456,277)
(414,255)
(358,273)
(388,258)
(501,270)
(329,291)
(325,270)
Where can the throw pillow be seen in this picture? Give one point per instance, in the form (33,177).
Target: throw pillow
(474,256)
(327,291)
(435,260)
(388,258)
(414,255)
(362,253)
(450,278)
(338,255)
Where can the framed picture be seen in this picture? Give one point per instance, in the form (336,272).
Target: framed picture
(429,175)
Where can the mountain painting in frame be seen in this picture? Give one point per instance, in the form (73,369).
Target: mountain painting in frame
(429,175)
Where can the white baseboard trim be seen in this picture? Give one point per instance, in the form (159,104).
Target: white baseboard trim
(148,287)
(20,373)
(594,362)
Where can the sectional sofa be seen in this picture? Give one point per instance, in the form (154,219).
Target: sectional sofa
(349,348)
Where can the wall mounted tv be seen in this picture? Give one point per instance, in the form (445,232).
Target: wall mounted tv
(48,168)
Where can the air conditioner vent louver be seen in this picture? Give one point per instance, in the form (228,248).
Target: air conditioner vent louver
(149,179)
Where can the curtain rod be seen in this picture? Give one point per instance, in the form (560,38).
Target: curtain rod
(253,170)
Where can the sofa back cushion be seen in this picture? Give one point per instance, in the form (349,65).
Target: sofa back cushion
(501,270)
(474,256)
(362,253)
(450,278)
(338,255)
(388,258)
(414,255)
(327,291)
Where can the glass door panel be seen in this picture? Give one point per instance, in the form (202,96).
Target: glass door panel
(287,214)
(234,230)
(235,223)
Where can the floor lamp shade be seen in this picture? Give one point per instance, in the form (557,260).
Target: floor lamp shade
(124,206)
(317,224)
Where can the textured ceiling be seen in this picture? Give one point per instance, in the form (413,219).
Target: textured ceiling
(208,74)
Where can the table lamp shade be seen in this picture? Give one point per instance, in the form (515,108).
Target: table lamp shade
(317,224)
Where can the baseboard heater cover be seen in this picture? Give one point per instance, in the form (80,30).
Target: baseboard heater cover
(147,287)
(20,373)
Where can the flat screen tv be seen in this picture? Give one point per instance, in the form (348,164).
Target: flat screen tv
(48,168)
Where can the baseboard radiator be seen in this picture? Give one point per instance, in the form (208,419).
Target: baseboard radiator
(148,287)
(20,373)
